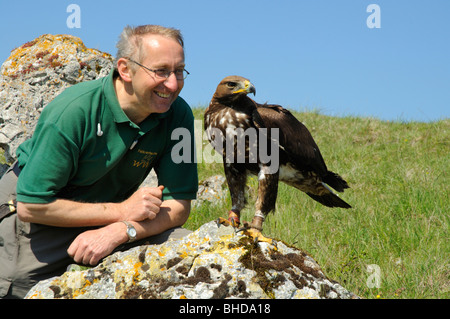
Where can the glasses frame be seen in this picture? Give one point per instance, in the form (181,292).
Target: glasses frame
(166,74)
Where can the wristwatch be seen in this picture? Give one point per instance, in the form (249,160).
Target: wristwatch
(131,231)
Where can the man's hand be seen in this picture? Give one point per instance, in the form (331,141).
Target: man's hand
(143,204)
(92,245)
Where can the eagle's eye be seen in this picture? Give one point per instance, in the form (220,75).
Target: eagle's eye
(231,85)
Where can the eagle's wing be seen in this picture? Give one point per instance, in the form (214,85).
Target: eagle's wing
(295,139)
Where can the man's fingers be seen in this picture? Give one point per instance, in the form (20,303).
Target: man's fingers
(153,195)
(75,252)
(155,191)
(91,246)
(144,204)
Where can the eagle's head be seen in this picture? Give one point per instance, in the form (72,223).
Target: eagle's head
(233,88)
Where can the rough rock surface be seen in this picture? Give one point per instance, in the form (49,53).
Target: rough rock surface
(212,262)
(34,74)
(212,189)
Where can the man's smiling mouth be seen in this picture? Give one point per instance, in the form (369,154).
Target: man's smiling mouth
(162,95)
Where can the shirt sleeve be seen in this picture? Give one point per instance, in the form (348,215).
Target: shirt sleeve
(49,165)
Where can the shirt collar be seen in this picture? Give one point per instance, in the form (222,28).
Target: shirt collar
(111,98)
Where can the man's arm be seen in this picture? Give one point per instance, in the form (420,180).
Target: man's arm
(144,209)
(143,204)
(91,246)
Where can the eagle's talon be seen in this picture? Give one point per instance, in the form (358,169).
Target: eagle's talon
(222,221)
(257,237)
(245,226)
(233,222)
(227,222)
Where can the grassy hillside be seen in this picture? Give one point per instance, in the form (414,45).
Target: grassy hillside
(398,174)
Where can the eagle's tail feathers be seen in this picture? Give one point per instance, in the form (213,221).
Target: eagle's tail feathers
(330,200)
(335,181)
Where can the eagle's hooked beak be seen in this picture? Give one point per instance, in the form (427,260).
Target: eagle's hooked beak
(248,88)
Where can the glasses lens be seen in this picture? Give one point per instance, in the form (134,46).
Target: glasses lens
(162,74)
(165,74)
(181,74)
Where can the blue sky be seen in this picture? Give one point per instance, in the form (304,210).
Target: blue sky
(301,54)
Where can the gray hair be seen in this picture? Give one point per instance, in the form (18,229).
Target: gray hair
(130,40)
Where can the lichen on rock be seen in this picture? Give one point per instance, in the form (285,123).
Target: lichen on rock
(212,262)
(34,74)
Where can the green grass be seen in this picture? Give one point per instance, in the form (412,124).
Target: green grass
(398,174)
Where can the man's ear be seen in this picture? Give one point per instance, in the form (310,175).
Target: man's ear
(124,70)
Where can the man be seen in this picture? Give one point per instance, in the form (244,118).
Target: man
(78,176)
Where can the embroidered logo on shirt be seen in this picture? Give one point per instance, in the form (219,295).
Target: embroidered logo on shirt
(146,159)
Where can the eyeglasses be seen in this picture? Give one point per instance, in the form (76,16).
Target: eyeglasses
(180,74)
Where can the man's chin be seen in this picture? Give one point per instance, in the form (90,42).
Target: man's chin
(162,107)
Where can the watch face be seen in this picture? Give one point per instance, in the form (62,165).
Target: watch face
(132,232)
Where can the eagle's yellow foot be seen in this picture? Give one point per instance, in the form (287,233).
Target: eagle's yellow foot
(233,220)
(257,235)
(226,222)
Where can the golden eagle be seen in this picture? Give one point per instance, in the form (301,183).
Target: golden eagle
(238,127)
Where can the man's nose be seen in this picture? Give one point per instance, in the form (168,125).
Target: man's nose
(171,82)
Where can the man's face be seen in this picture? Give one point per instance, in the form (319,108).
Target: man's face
(155,95)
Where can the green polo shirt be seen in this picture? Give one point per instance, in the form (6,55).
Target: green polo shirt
(65,158)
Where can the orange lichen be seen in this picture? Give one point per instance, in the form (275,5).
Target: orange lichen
(44,52)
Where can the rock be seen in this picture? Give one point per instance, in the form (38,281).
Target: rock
(212,190)
(37,72)
(3,169)
(151,180)
(212,262)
